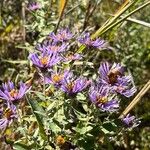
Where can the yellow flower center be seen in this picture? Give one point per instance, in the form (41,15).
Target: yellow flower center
(60,140)
(44,60)
(8,112)
(102,100)
(63,35)
(13,93)
(57,78)
(70,86)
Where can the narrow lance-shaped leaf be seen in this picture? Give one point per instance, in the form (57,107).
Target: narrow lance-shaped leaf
(37,108)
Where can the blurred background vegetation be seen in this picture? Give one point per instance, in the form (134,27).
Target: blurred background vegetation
(129,40)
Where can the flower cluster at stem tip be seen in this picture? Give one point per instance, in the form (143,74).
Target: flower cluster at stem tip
(10,95)
(112,80)
(54,51)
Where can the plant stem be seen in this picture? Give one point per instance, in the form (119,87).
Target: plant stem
(109,23)
(60,16)
(123,18)
(23,27)
(136,99)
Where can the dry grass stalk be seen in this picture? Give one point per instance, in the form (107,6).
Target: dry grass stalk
(136,99)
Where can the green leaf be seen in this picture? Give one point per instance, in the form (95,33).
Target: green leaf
(40,95)
(16,61)
(54,127)
(51,105)
(83,130)
(37,108)
(19,147)
(81,97)
(40,113)
(80,115)
(105,130)
(109,127)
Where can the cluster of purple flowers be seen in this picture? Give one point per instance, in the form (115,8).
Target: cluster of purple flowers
(113,77)
(112,80)
(104,92)
(55,49)
(10,94)
(7,115)
(67,81)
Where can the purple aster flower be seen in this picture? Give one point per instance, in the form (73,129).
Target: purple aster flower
(131,121)
(99,95)
(10,93)
(34,6)
(8,115)
(109,74)
(71,85)
(113,76)
(52,47)
(56,77)
(86,40)
(45,60)
(122,86)
(61,36)
(70,57)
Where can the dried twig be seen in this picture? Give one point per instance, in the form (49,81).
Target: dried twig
(123,5)
(136,99)
(23,26)
(61,14)
(89,12)
(71,10)
(140,22)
